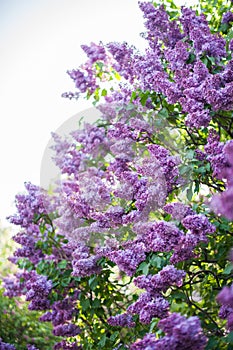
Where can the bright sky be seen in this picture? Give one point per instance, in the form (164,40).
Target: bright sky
(39,41)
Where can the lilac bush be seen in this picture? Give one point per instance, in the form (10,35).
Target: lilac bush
(131,250)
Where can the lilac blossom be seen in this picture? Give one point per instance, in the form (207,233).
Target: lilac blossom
(178,210)
(198,119)
(62,311)
(227,17)
(186,248)
(163,236)
(181,334)
(67,157)
(214,149)
(200,155)
(148,342)
(29,205)
(168,165)
(84,80)
(6,346)
(186,332)
(64,345)
(231,45)
(124,57)
(122,320)
(225,298)
(159,26)
(128,259)
(94,52)
(28,247)
(177,56)
(167,277)
(66,330)
(199,226)
(38,289)
(148,306)
(92,139)
(83,263)
(16,285)
(223,203)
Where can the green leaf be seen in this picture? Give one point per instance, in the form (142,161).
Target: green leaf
(191,58)
(156,261)
(93,282)
(152,325)
(189,193)
(205,60)
(229,338)
(65,282)
(201,170)
(144,98)
(228,269)
(183,169)
(104,92)
(62,264)
(85,304)
(102,340)
(197,187)
(114,336)
(134,95)
(163,113)
(96,303)
(117,76)
(190,154)
(144,268)
(179,295)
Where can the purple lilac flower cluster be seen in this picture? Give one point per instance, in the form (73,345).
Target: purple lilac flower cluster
(83,263)
(27,205)
(38,289)
(225,298)
(215,155)
(168,165)
(64,345)
(220,157)
(122,320)
(199,226)
(152,303)
(6,346)
(227,17)
(178,210)
(148,306)
(86,77)
(167,277)
(223,203)
(28,240)
(165,236)
(181,333)
(192,84)
(61,317)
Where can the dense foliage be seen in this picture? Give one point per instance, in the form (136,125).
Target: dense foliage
(133,248)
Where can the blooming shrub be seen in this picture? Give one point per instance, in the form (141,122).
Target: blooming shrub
(19,327)
(132,250)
